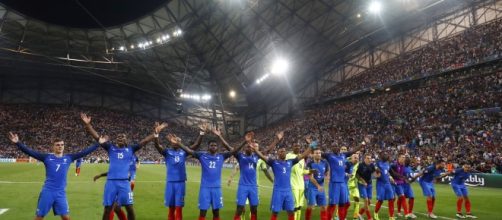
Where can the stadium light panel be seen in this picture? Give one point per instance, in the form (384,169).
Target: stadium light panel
(232,94)
(279,66)
(375,7)
(206,97)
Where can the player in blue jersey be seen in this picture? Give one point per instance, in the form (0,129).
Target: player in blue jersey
(384,189)
(365,171)
(117,207)
(398,172)
(53,193)
(78,164)
(338,189)
(282,196)
(175,158)
(315,190)
(428,175)
(460,175)
(120,153)
(248,183)
(408,190)
(210,194)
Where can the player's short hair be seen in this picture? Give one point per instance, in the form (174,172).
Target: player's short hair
(55,140)
(211,141)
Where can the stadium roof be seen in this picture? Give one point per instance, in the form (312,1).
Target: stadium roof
(214,46)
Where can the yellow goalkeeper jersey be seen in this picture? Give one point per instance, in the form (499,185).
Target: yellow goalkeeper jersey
(297,172)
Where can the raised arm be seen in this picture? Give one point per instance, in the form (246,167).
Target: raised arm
(88,127)
(248,140)
(217,132)
(198,141)
(102,140)
(306,153)
(254,146)
(267,174)
(203,129)
(157,145)
(367,140)
(177,141)
(37,155)
(277,139)
(157,129)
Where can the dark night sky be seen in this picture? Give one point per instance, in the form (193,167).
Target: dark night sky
(69,13)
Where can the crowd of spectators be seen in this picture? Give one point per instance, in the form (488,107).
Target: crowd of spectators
(470,46)
(38,125)
(456,117)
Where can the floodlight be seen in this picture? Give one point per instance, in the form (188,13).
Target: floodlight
(280,66)
(375,7)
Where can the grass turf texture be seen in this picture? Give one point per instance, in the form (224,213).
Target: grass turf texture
(20,185)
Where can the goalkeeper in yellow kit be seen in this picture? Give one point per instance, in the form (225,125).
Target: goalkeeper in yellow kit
(297,181)
(353,179)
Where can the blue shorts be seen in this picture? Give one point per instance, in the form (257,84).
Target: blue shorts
(338,193)
(315,197)
(210,196)
(384,191)
(52,199)
(175,194)
(78,165)
(399,189)
(117,191)
(132,175)
(247,192)
(460,190)
(408,191)
(428,189)
(365,192)
(282,200)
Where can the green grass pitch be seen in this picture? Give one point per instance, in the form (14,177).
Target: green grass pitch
(20,185)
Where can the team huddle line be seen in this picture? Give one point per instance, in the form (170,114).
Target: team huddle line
(296,175)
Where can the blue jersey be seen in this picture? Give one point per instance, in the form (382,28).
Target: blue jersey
(321,169)
(408,172)
(175,164)
(247,165)
(430,173)
(56,168)
(132,165)
(211,168)
(337,166)
(282,173)
(120,160)
(384,168)
(460,176)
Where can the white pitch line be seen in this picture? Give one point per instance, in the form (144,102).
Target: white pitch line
(420,213)
(3,211)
